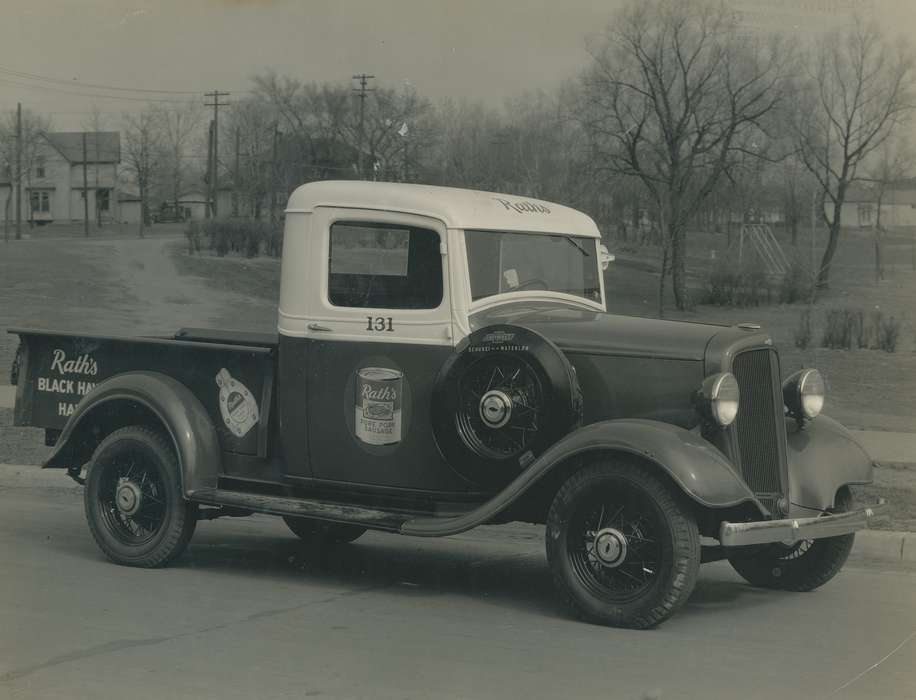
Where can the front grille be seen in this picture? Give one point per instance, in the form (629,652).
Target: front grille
(760,427)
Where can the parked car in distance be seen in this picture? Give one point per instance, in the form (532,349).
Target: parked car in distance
(444,359)
(169,213)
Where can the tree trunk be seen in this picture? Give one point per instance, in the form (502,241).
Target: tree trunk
(142,209)
(879,273)
(833,229)
(879,268)
(661,283)
(678,244)
(823,276)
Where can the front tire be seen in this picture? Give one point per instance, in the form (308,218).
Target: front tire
(133,500)
(800,567)
(622,545)
(320,531)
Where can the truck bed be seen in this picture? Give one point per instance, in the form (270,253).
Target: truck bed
(57,369)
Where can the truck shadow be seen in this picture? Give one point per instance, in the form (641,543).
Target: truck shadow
(514,576)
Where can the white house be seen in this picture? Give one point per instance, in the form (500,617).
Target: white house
(898,205)
(53,183)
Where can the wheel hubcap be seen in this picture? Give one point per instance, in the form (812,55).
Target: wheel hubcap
(610,547)
(129,497)
(495,409)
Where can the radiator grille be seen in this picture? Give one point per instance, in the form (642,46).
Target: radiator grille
(760,427)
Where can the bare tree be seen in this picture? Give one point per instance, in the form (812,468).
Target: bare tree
(859,88)
(33,127)
(675,97)
(141,154)
(178,129)
(255,121)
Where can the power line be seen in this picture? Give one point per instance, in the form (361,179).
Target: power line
(48,88)
(60,81)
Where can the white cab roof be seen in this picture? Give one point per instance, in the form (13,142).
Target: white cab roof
(456,208)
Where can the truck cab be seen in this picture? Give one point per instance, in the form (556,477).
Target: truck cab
(445,358)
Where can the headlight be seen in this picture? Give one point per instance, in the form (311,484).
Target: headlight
(718,398)
(803,394)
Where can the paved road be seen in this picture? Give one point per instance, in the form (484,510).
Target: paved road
(251,613)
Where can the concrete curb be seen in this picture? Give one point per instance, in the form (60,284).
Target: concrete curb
(890,547)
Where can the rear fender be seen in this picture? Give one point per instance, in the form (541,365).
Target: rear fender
(702,472)
(823,457)
(126,398)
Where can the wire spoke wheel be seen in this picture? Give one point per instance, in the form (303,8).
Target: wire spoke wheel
(622,543)
(614,546)
(502,400)
(505,396)
(133,499)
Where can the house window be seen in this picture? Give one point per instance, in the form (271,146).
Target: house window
(102,199)
(866,212)
(39,167)
(40,201)
(384,266)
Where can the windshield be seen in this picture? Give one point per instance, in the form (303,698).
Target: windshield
(510,262)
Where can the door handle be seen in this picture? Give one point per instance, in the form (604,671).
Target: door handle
(318,327)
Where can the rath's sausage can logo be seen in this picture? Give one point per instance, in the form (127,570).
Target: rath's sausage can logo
(378,405)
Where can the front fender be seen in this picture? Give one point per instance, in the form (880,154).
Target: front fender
(695,465)
(823,457)
(177,409)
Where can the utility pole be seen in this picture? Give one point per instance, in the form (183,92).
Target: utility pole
(85,191)
(18,170)
(207,212)
(235,188)
(361,91)
(215,95)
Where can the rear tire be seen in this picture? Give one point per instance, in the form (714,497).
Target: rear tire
(133,500)
(312,530)
(804,566)
(623,545)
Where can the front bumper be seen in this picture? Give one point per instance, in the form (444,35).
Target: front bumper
(792,530)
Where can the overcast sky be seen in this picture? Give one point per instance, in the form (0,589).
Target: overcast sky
(475,49)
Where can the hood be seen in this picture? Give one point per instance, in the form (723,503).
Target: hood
(588,332)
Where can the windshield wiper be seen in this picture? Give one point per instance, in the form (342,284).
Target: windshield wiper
(578,246)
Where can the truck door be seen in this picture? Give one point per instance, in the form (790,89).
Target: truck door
(380,334)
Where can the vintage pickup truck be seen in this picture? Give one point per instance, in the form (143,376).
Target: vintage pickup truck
(445,359)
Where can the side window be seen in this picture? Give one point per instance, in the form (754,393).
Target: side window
(384,266)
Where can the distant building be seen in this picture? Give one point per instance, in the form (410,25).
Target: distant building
(130,208)
(860,208)
(52,183)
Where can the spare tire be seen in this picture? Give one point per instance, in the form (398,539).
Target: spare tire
(505,396)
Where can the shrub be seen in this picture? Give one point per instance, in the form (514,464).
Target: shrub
(275,241)
(729,285)
(242,236)
(797,284)
(193,233)
(839,329)
(884,331)
(803,332)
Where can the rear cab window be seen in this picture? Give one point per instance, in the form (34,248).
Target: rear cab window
(384,266)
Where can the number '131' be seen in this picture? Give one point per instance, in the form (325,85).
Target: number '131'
(379,323)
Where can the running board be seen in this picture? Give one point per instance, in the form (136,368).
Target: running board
(302,508)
